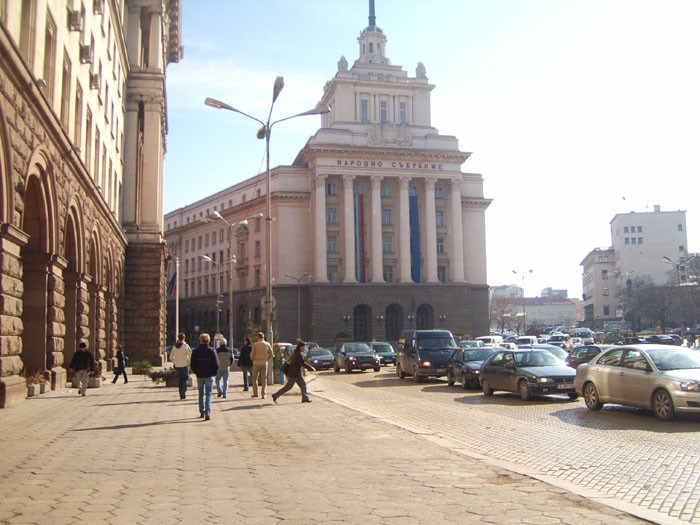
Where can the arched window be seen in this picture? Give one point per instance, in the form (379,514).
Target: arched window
(371,47)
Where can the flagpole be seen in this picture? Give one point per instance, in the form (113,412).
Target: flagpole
(177,297)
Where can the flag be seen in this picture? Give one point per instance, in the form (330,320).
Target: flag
(172,285)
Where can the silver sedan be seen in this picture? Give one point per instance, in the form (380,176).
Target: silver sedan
(665,379)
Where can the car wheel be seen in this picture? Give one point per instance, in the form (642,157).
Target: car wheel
(416,377)
(376,369)
(590,396)
(465,382)
(336,368)
(573,396)
(524,390)
(485,388)
(663,405)
(450,379)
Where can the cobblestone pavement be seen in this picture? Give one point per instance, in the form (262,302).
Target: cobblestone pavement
(621,456)
(136,454)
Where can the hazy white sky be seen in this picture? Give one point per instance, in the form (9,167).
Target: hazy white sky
(574,110)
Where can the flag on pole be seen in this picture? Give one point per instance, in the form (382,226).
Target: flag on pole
(172,285)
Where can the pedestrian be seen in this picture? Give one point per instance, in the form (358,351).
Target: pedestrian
(296,364)
(121,365)
(83,364)
(245,363)
(225,356)
(180,355)
(260,355)
(205,365)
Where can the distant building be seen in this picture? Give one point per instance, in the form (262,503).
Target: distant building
(539,311)
(550,292)
(506,290)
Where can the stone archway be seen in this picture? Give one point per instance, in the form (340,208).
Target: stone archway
(73,283)
(394,322)
(425,317)
(362,323)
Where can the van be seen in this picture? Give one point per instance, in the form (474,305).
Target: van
(491,340)
(424,353)
(526,340)
(585,334)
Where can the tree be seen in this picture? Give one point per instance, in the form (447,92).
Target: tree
(647,304)
(501,313)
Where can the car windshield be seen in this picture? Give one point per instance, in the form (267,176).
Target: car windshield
(675,359)
(437,342)
(383,348)
(478,354)
(320,353)
(541,358)
(357,348)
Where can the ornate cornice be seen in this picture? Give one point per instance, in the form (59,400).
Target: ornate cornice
(314,151)
(476,202)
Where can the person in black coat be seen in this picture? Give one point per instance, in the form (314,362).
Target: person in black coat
(204,364)
(121,365)
(246,364)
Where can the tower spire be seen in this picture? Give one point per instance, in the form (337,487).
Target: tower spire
(372,18)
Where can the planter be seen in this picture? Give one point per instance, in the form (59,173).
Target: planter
(33,390)
(43,387)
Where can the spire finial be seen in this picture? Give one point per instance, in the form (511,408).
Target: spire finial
(372,18)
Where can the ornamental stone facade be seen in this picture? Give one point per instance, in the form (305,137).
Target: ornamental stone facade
(375,228)
(74,163)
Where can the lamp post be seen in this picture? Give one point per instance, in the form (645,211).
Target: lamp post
(298,280)
(523,277)
(668,260)
(216,287)
(264,133)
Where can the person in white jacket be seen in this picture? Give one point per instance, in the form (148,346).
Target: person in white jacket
(180,356)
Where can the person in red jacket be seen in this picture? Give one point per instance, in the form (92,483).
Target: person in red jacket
(296,363)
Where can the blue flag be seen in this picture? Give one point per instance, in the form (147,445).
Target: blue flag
(172,285)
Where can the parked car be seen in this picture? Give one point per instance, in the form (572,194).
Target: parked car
(556,351)
(665,379)
(662,339)
(470,343)
(491,340)
(320,359)
(631,340)
(465,365)
(311,346)
(528,372)
(525,340)
(561,340)
(386,352)
(355,356)
(285,349)
(583,354)
(424,353)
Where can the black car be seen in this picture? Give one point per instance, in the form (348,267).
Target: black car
(386,352)
(424,353)
(663,339)
(320,359)
(355,356)
(528,372)
(465,365)
(583,354)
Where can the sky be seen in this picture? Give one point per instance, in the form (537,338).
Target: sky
(573,110)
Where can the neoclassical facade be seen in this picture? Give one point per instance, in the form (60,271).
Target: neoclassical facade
(375,228)
(82,136)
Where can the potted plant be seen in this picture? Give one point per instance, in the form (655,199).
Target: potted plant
(167,375)
(36,384)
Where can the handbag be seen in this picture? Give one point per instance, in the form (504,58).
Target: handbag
(285,367)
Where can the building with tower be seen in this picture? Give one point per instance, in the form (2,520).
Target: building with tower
(82,137)
(375,214)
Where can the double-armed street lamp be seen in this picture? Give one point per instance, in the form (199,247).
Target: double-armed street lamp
(264,132)
(298,280)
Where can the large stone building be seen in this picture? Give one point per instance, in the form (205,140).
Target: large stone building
(375,228)
(82,137)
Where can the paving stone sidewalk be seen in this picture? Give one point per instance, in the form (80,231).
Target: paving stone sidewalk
(135,453)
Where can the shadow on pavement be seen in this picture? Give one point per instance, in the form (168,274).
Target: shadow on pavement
(145,402)
(511,399)
(247,407)
(139,425)
(617,417)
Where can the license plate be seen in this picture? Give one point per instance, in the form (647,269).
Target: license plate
(442,370)
(565,386)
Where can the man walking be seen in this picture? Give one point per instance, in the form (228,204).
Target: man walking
(83,363)
(260,355)
(205,366)
(245,363)
(180,356)
(225,356)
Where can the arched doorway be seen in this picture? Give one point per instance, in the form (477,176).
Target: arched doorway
(394,322)
(71,277)
(362,323)
(424,317)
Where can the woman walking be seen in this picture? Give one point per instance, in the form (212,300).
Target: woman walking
(121,365)
(296,363)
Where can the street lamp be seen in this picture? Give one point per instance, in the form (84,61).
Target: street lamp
(668,260)
(523,276)
(216,287)
(298,280)
(264,133)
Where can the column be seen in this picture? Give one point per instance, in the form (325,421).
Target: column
(377,263)
(404,232)
(455,228)
(348,230)
(430,231)
(321,248)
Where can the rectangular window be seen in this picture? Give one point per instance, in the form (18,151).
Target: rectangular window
(634,240)
(331,216)
(680,227)
(606,291)
(257,248)
(199,242)
(388,272)
(386,217)
(78,121)
(606,310)
(386,190)
(639,229)
(221,235)
(49,56)
(442,274)
(332,273)
(331,190)
(439,218)
(402,113)
(633,229)
(88,138)
(364,110)
(438,192)
(627,230)
(383,111)
(213,238)
(206,239)
(639,240)
(387,245)
(441,245)
(332,244)
(257,224)
(257,277)
(65,90)
(681,248)
(627,240)
(187,266)
(605,275)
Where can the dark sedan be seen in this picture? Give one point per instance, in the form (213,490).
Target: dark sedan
(465,365)
(583,354)
(320,359)
(355,356)
(663,339)
(528,372)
